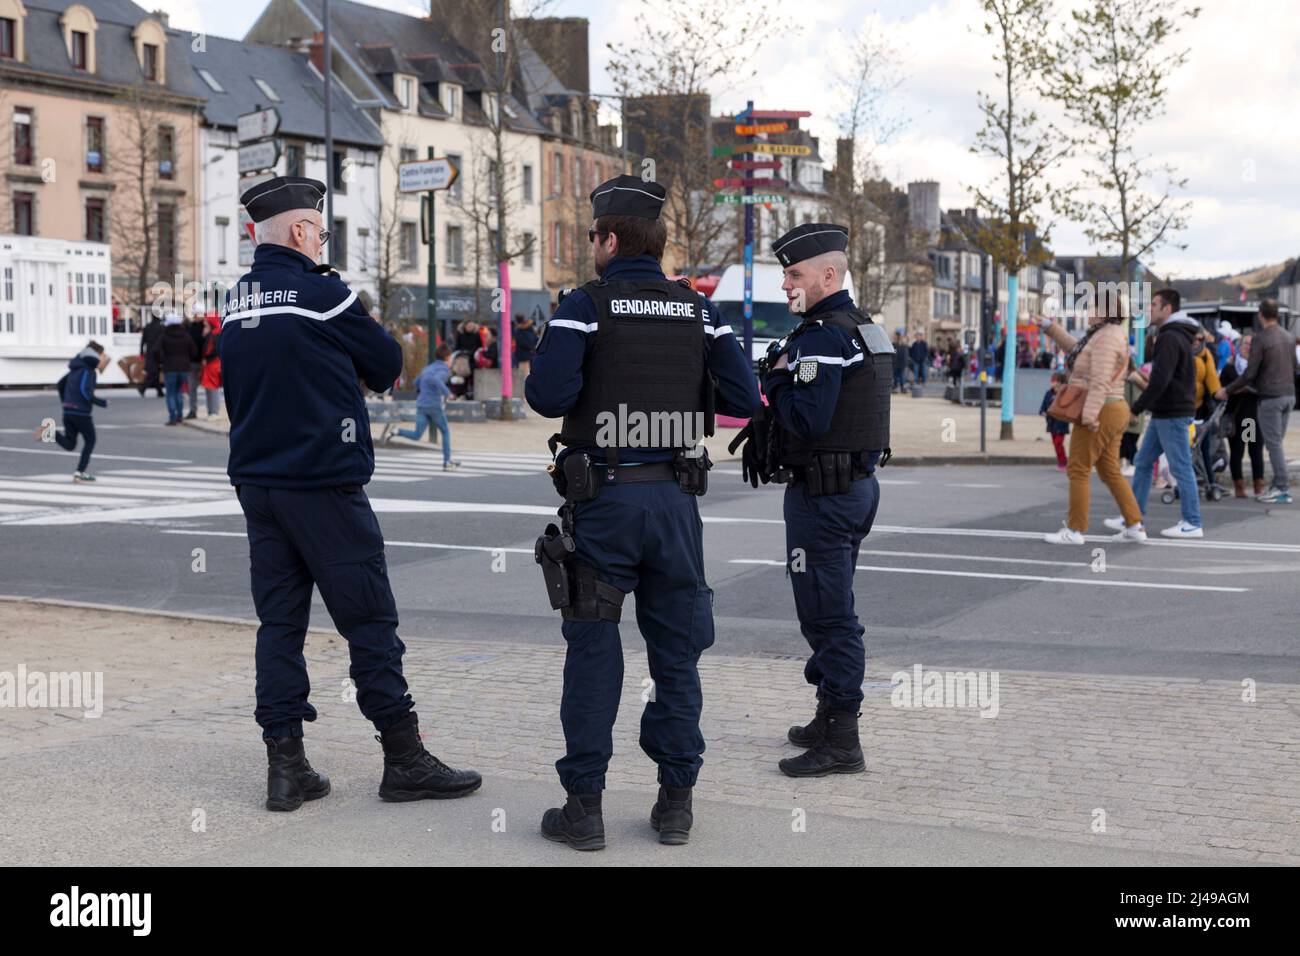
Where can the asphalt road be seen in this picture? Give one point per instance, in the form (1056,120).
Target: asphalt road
(954,574)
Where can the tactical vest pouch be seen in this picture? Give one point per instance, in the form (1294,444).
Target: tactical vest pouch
(579,477)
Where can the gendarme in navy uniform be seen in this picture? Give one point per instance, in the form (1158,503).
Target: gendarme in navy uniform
(634,363)
(827,428)
(296,346)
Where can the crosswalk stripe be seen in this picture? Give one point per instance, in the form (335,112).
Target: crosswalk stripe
(101,487)
(70,498)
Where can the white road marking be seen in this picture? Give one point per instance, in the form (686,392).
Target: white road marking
(1094,582)
(98,457)
(387,544)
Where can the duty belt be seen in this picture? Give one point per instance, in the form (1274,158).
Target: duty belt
(625,474)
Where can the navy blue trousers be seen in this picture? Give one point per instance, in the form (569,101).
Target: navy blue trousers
(328,537)
(74,424)
(822,536)
(647,539)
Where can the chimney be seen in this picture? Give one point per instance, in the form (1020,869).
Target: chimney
(923,207)
(162,17)
(316,52)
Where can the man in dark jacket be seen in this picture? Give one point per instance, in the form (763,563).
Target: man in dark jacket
(920,353)
(177,351)
(77,390)
(900,363)
(197,327)
(149,337)
(1170,397)
(296,346)
(1271,371)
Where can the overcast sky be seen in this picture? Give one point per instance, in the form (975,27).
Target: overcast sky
(1232,129)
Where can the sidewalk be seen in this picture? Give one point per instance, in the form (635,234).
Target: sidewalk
(173,770)
(923,431)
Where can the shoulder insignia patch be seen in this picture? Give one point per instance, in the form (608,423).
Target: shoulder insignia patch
(806,370)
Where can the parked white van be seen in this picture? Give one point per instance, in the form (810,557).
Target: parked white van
(772,316)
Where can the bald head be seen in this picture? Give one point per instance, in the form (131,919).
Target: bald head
(298,229)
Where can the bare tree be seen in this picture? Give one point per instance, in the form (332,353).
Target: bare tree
(684,52)
(1025,148)
(1111,87)
(136,160)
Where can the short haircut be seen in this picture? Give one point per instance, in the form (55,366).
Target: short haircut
(1060,377)
(1169,297)
(1268,308)
(636,236)
(92,344)
(442,351)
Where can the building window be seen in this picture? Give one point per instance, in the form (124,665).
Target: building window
(577,176)
(406,245)
(451,100)
(166,152)
(408,93)
(266,89)
(150,51)
(166,241)
(340,182)
(211,80)
(408,154)
(24,219)
(363,237)
(222,224)
(557,174)
(8,34)
(529,241)
(557,239)
(95,220)
(492,180)
(528,182)
(454,190)
(94,144)
(24,136)
(455,247)
(9,284)
(293,160)
(80,46)
(338,256)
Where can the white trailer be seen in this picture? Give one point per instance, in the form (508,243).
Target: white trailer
(55,296)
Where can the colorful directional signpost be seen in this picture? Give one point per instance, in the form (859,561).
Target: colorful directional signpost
(751,124)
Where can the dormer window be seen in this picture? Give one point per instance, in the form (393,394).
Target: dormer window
(78,25)
(490,107)
(150,64)
(451,99)
(8,38)
(406,92)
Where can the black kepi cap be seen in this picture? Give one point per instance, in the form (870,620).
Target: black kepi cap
(627,196)
(810,239)
(281,194)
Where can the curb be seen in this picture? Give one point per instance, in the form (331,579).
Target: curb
(145,612)
(923,461)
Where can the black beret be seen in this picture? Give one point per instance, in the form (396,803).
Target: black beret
(810,239)
(281,194)
(627,196)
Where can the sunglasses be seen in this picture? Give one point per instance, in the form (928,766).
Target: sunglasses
(324,233)
(593,233)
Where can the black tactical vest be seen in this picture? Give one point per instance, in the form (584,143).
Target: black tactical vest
(648,359)
(860,422)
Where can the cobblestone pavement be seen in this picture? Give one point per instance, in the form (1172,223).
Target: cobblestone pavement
(1179,766)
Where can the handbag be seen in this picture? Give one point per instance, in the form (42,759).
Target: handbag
(1067,406)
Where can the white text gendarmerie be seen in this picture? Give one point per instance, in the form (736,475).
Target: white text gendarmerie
(652,307)
(255,300)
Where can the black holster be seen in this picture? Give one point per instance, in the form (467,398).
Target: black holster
(830,473)
(692,470)
(554,552)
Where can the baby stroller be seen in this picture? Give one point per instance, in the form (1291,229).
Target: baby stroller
(1207,433)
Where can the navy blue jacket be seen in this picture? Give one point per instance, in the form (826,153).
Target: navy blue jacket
(293,345)
(806,408)
(79,386)
(555,379)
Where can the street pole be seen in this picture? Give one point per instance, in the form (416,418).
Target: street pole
(505,349)
(985,269)
(1139,322)
(329,130)
(432,277)
(1009,360)
(749,254)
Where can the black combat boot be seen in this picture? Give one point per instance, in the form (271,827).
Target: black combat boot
(578,823)
(812,733)
(671,815)
(412,773)
(289,777)
(840,752)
